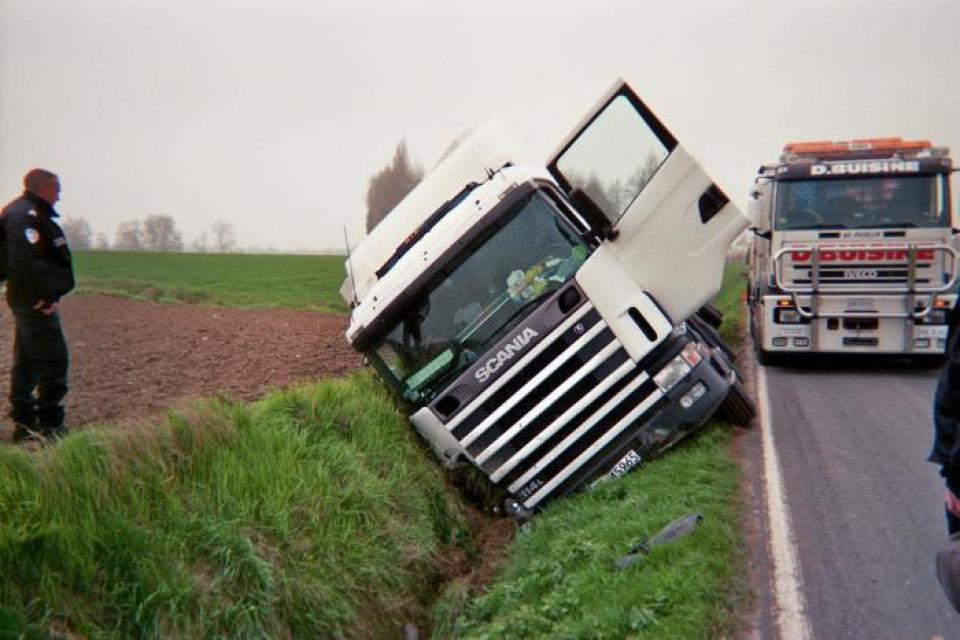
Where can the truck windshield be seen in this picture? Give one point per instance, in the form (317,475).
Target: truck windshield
(881,202)
(531,251)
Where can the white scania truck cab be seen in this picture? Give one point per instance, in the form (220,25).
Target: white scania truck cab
(542,323)
(854,250)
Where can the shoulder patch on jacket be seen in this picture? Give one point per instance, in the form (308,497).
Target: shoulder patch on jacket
(32,235)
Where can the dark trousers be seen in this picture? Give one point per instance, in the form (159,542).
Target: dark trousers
(38,380)
(953,523)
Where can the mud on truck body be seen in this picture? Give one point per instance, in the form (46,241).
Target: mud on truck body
(854,250)
(538,323)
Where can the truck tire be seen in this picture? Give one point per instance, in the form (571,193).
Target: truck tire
(928,361)
(763,356)
(737,407)
(711,315)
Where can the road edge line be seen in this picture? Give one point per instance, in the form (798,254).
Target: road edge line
(791,617)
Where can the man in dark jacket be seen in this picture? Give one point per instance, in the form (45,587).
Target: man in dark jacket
(946,420)
(39,271)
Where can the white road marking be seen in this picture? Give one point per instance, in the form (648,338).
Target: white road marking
(791,617)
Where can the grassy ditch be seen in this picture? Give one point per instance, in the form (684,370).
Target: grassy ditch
(313,513)
(226,280)
(560,581)
(317,513)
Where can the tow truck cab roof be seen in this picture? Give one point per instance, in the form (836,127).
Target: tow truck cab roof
(858,158)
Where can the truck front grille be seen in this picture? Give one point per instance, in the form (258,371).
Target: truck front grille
(534,430)
(859,274)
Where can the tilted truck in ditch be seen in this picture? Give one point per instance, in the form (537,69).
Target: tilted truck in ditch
(854,250)
(546,325)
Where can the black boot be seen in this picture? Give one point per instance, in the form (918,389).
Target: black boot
(52,431)
(25,433)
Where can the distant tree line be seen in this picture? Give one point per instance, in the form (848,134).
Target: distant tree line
(389,186)
(154,233)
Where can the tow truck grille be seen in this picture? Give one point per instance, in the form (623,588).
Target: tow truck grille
(535,431)
(859,273)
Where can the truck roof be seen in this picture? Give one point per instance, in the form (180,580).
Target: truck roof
(858,158)
(475,159)
(408,269)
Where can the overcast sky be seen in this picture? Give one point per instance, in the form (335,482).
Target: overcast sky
(274,114)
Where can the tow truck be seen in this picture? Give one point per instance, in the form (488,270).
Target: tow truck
(854,250)
(548,324)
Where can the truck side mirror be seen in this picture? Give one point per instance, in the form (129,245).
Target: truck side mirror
(594,216)
(760,234)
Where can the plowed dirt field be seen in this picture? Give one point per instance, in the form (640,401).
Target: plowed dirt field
(131,360)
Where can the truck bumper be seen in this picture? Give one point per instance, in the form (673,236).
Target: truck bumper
(668,423)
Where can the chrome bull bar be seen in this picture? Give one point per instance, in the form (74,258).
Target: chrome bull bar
(911,288)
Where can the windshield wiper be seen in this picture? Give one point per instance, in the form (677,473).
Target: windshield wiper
(527,305)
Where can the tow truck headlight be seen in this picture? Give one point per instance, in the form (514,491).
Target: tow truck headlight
(935,316)
(678,368)
(788,315)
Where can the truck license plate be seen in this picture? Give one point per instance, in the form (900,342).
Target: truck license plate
(626,463)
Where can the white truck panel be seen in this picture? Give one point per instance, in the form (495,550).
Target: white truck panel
(613,290)
(484,151)
(682,271)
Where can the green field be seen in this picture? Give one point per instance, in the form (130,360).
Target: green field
(318,513)
(227,280)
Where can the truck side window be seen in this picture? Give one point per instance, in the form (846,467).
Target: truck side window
(614,158)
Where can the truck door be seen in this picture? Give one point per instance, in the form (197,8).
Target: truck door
(666,221)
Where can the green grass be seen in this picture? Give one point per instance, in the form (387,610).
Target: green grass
(561,583)
(313,513)
(228,280)
(730,302)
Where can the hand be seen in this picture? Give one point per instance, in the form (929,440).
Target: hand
(953,502)
(46,309)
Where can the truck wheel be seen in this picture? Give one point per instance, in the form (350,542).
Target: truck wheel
(737,407)
(764,357)
(929,361)
(711,315)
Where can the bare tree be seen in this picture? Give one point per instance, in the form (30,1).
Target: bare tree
(102,243)
(223,236)
(78,232)
(160,234)
(129,236)
(388,187)
(199,244)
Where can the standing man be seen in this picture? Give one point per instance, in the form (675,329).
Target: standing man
(39,271)
(946,453)
(946,420)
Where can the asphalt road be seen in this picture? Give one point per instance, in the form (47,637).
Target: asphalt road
(866,507)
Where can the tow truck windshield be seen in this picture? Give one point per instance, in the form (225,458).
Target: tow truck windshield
(532,252)
(860,203)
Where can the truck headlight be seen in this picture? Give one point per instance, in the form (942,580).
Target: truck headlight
(690,397)
(678,368)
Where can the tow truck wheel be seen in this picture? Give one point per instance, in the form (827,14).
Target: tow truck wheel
(763,357)
(737,407)
(934,361)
